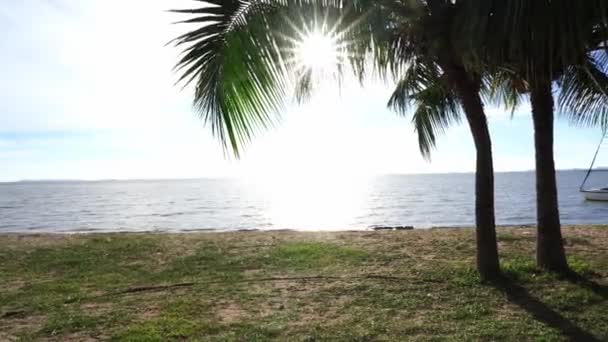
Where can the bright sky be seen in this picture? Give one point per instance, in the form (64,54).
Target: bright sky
(87,92)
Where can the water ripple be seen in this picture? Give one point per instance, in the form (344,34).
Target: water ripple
(204,205)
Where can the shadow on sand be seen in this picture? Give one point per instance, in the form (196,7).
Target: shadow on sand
(520,296)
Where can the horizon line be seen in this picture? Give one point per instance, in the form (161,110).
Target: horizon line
(75,180)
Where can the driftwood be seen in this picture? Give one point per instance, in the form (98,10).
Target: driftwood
(392,227)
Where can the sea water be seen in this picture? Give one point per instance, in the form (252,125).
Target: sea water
(337,203)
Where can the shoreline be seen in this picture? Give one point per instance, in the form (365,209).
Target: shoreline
(282,230)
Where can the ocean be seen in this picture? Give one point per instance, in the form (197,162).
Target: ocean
(341,203)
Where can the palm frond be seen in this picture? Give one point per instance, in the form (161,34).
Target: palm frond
(503,87)
(424,87)
(436,110)
(583,96)
(421,74)
(241,57)
(235,66)
(541,37)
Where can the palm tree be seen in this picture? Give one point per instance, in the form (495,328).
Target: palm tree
(241,60)
(440,86)
(543,44)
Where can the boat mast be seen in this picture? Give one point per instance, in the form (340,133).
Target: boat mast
(592,162)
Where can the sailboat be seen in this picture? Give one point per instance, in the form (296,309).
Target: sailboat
(595,194)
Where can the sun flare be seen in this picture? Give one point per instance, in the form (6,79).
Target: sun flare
(318,51)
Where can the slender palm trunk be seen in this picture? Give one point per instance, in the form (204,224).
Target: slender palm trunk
(549,244)
(467,89)
(487,248)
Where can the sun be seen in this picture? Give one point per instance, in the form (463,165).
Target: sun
(318,51)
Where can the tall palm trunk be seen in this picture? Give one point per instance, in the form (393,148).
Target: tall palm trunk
(468,93)
(467,89)
(549,244)
(487,249)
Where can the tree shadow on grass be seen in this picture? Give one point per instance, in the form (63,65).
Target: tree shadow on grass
(541,312)
(587,283)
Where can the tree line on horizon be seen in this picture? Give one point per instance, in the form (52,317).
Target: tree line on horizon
(446,58)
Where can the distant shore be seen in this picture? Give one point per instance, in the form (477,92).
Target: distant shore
(68,180)
(290,285)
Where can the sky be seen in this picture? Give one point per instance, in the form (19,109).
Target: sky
(88,92)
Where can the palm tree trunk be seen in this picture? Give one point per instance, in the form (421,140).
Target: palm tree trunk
(487,248)
(549,244)
(467,89)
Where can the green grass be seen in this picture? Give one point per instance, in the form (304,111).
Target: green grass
(355,286)
(312,256)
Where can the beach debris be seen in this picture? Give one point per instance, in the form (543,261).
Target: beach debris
(391,227)
(13,313)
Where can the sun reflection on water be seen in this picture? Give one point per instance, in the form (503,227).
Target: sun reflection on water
(314,201)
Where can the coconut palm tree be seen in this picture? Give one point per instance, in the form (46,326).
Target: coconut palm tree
(242,57)
(544,44)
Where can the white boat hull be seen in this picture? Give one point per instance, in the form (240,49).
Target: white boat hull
(596,194)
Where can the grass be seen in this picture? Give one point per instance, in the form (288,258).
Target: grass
(254,286)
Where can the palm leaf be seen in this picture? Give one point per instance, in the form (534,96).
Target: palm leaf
(423,87)
(437,109)
(542,37)
(235,95)
(503,87)
(241,57)
(583,96)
